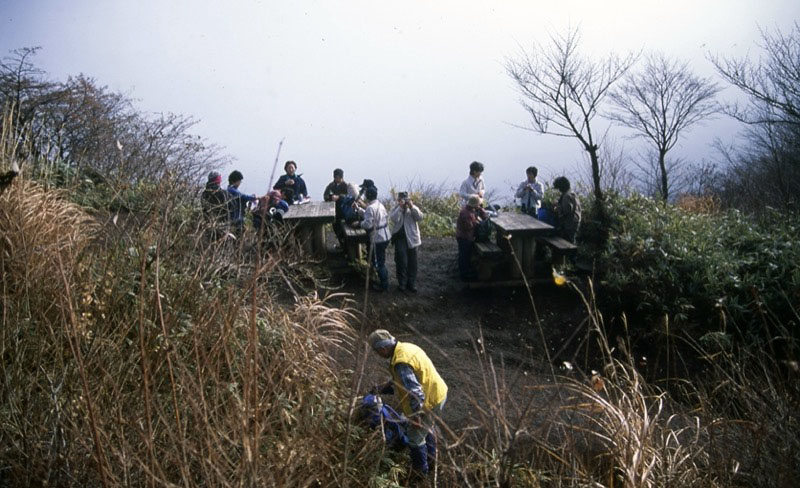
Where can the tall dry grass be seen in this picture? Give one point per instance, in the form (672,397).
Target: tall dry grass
(732,425)
(146,355)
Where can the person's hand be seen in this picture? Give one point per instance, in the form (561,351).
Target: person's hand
(409,203)
(480,194)
(334,198)
(290,182)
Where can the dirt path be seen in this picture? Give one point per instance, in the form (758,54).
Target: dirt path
(462,329)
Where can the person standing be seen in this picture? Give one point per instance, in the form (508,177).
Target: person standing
(376,221)
(405,218)
(530,193)
(473,185)
(292,180)
(468,220)
(422,392)
(214,200)
(237,202)
(568,210)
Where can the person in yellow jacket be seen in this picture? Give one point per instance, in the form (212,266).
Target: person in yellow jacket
(422,392)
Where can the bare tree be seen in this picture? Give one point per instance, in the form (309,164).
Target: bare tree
(615,168)
(765,170)
(563,92)
(660,102)
(651,166)
(772,83)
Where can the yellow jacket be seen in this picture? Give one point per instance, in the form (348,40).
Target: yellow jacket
(433,386)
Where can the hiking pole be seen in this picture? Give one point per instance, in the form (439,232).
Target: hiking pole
(275,165)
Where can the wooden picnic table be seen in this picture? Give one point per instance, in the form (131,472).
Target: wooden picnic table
(523,230)
(309,221)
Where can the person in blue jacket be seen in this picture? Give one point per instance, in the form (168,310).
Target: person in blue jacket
(237,202)
(292,180)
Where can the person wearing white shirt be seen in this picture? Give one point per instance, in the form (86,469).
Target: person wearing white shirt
(473,185)
(376,223)
(406,238)
(530,193)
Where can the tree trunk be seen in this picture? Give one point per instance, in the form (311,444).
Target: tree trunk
(600,215)
(598,191)
(663,168)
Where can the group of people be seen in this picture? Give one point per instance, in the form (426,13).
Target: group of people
(360,207)
(229,206)
(473,217)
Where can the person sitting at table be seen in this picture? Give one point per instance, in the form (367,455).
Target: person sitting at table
(568,210)
(530,193)
(337,188)
(466,226)
(473,185)
(294,181)
(376,222)
(271,208)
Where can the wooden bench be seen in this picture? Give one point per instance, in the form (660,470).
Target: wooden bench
(560,247)
(355,239)
(489,254)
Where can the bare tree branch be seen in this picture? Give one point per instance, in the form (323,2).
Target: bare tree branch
(660,102)
(563,91)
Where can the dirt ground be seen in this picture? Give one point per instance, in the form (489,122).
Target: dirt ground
(464,330)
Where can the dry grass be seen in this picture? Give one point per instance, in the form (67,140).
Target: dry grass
(153,359)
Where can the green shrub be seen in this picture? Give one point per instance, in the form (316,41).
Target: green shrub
(664,260)
(439,205)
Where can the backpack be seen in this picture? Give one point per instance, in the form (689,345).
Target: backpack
(377,414)
(483,231)
(345,210)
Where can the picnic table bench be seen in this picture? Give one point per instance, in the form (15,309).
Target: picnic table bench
(309,221)
(560,246)
(518,232)
(355,239)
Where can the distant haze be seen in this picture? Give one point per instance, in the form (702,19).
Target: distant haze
(392,91)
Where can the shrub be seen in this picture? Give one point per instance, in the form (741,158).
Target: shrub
(662,260)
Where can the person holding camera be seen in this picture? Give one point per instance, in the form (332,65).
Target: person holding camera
(404,219)
(530,193)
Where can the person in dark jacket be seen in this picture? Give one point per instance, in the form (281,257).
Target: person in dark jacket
(237,202)
(568,210)
(292,180)
(214,200)
(337,188)
(468,220)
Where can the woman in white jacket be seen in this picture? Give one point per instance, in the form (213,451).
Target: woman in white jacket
(405,218)
(375,222)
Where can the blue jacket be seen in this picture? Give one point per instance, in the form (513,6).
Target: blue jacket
(236,203)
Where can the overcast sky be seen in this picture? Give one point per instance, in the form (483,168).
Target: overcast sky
(393,91)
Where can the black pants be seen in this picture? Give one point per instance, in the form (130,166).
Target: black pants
(405,260)
(464,258)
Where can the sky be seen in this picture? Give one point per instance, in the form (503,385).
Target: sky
(399,92)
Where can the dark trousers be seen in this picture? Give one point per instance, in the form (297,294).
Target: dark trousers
(464,257)
(529,210)
(379,263)
(405,260)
